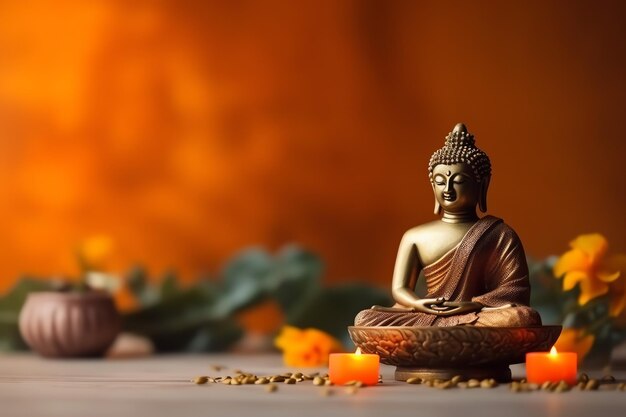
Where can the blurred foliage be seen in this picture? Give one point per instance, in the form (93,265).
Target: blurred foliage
(558,306)
(201,317)
(10,306)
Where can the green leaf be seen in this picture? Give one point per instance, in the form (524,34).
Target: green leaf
(169,285)
(333,309)
(546,295)
(216,336)
(186,309)
(10,307)
(297,277)
(210,337)
(14,299)
(245,280)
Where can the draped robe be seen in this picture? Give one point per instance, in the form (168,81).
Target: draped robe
(487,266)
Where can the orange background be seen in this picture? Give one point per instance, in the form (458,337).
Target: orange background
(186,130)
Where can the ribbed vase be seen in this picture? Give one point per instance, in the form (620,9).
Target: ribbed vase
(58,324)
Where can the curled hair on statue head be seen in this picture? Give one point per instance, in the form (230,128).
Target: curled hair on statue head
(460,148)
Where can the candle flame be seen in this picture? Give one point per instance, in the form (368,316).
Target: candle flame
(553,351)
(357,351)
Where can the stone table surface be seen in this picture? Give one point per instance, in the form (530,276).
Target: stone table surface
(156,386)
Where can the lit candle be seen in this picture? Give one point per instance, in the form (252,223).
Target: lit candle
(553,366)
(345,367)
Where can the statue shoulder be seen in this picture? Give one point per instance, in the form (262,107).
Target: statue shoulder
(419,233)
(507,233)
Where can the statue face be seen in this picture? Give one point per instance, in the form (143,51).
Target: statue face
(455,187)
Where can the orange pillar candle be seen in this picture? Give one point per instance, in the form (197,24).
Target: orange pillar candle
(345,367)
(552,366)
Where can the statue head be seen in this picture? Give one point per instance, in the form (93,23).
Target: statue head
(459,173)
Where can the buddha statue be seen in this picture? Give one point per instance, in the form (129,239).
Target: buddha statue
(475,268)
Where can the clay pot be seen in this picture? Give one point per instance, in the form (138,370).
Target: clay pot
(69,324)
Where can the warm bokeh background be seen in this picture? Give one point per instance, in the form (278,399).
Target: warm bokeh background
(186,130)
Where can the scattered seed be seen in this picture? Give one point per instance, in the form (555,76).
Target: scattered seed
(562,386)
(352,390)
(328,382)
(351,383)
(277,378)
(523,381)
(200,380)
(272,388)
(290,381)
(226,380)
(318,380)
(462,385)
(608,378)
(517,386)
(444,385)
(262,381)
(581,385)
(473,383)
(583,378)
(488,383)
(456,379)
(547,386)
(414,380)
(621,386)
(592,385)
(235,381)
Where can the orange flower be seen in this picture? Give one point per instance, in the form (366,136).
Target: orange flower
(306,347)
(575,340)
(95,251)
(585,264)
(617,294)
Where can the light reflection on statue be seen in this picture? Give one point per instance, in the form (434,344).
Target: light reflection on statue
(475,268)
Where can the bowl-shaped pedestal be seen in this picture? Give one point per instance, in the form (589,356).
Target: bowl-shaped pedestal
(443,352)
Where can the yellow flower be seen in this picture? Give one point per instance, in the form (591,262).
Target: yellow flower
(585,264)
(306,347)
(575,340)
(617,294)
(95,251)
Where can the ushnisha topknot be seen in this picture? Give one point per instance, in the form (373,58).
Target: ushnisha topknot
(460,148)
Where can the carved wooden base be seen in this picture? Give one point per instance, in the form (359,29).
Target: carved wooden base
(499,373)
(454,347)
